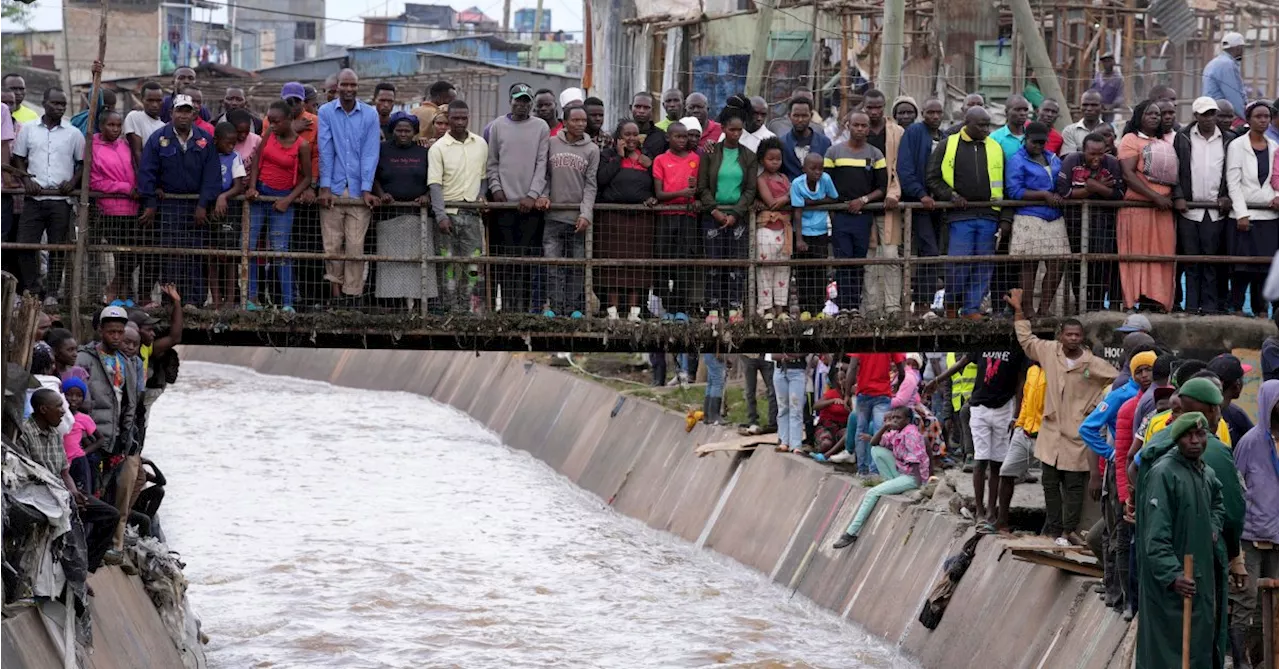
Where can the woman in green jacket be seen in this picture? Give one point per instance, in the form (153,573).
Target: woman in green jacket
(726,189)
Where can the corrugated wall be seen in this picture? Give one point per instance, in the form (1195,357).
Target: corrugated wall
(961,24)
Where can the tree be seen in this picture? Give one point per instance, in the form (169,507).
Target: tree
(15,12)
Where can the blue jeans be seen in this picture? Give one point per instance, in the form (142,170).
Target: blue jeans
(788,385)
(715,375)
(968,282)
(850,238)
(280,228)
(866,418)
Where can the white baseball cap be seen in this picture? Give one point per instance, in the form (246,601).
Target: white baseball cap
(113,313)
(183,101)
(1232,39)
(1204,104)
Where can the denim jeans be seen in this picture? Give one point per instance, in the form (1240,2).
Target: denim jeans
(969,282)
(279,230)
(866,418)
(789,384)
(715,375)
(561,240)
(894,483)
(850,238)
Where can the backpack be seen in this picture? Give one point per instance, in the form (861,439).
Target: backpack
(1160,163)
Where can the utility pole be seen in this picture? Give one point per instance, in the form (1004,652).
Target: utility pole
(889,75)
(537,36)
(506,16)
(815,60)
(1033,41)
(760,51)
(66,57)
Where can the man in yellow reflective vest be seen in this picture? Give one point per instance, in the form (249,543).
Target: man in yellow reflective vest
(969,167)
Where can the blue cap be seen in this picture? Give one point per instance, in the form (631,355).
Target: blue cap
(293,89)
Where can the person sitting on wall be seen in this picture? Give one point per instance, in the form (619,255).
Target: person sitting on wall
(901,456)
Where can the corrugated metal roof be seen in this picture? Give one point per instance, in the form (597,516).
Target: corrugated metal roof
(1176,19)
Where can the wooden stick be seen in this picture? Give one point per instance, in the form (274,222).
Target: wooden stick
(80,256)
(1187,562)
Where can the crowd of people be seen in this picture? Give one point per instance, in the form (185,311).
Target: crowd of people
(175,179)
(86,425)
(1160,445)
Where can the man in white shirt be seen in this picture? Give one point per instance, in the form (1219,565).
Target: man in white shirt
(1202,177)
(51,152)
(1091,119)
(140,124)
(756,131)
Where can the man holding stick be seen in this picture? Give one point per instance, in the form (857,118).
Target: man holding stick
(1180,516)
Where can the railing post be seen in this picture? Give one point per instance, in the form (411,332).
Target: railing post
(426,251)
(749,302)
(243,280)
(1082,302)
(588,288)
(904,301)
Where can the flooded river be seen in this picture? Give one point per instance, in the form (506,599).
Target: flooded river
(328,527)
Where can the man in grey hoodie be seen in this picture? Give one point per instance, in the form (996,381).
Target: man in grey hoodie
(572,161)
(517,172)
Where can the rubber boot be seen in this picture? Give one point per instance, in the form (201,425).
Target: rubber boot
(1239,649)
(713,410)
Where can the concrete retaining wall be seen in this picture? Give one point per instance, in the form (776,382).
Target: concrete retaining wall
(776,513)
(127,631)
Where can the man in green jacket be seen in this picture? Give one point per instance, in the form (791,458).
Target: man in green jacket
(1180,515)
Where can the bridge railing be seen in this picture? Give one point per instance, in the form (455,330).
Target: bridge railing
(634,258)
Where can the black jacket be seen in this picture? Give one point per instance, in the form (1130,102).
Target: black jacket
(655,142)
(621,186)
(971,180)
(1182,146)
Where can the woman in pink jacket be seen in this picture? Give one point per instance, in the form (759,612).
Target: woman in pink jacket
(115,218)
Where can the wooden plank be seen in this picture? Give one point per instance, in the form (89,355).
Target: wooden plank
(1060,562)
(748,443)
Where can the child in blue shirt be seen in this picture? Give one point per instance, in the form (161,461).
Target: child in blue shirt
(809,190)
(224,218)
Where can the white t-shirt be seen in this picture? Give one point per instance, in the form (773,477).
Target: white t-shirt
(138,123)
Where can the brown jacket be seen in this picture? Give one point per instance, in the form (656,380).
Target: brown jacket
(1071,392)
(893,219)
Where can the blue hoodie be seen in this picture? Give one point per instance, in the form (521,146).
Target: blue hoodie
(1257,463)
(1104,416)
(913,161)
(791,165)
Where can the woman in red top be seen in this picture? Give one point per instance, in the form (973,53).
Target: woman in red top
(833,416)
(773,232)
(282,168)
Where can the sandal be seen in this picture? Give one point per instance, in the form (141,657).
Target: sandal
(782,448)
(986,528)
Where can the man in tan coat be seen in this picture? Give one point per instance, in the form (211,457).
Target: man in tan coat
(1075,381)
(882,293)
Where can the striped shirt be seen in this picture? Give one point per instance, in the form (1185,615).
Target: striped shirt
(856,172)
(44,445)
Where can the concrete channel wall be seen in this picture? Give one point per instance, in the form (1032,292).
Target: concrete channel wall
(127,630)
(774,512)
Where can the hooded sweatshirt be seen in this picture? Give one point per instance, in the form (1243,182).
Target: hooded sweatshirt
(1255,458)
(571,176)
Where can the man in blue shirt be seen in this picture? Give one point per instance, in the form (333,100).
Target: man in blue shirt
(1222,78)
(180,159)
(349,140)
(800,139)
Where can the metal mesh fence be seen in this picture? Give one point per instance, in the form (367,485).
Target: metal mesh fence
(632,261)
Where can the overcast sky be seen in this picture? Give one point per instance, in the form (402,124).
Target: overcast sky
(342,18)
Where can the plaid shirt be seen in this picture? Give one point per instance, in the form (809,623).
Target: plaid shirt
(43,445)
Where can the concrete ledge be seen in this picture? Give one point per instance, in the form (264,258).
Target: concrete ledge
(774,512)
(127,631)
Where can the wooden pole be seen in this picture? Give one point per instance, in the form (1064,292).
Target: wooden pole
(760,51)
(537,36)
(80,265)
(1187,563)
(844,68)
(891,42)
(815,60)
(1032,40)
(588,60)
(1130,69)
